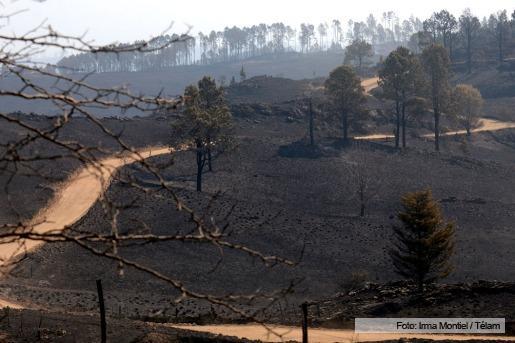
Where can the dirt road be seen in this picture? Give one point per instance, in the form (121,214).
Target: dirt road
(369,84)
(484,125)
(81,191)
(76,196)
(74,199)
(85,187)
(258,332)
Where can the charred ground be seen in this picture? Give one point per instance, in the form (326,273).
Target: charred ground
(277,198)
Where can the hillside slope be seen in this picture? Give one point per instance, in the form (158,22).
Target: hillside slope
(284,205)
(172,82)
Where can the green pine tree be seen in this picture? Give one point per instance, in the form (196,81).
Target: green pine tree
(205,123)
(424,242)
(346,95)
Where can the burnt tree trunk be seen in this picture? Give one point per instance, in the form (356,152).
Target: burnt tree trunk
(345,126)
(450,47)
(404,124)
(209,158)
(103,326)
(501,37)
(304,308)
(469,51)
(397,124)
(311,124)
(361,192)
(437,129)
(201,161)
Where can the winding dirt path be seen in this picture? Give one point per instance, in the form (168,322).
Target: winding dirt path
(80,192)
(258,332)
(485,124)
(86,186)
(74,199)
(71,202)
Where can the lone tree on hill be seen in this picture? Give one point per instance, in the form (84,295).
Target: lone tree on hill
(424,243)
(435,60)
(363,179)
(400,78)
(346,93)
(467,104)
(304,107)
(358,53)
(206,122)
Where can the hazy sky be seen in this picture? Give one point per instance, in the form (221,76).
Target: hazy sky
(127,20)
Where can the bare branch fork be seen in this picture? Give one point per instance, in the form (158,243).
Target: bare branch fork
(73,97)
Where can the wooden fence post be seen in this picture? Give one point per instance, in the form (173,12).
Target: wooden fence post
(304,307)
(103,326)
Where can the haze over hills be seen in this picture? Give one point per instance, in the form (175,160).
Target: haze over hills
(172,82)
